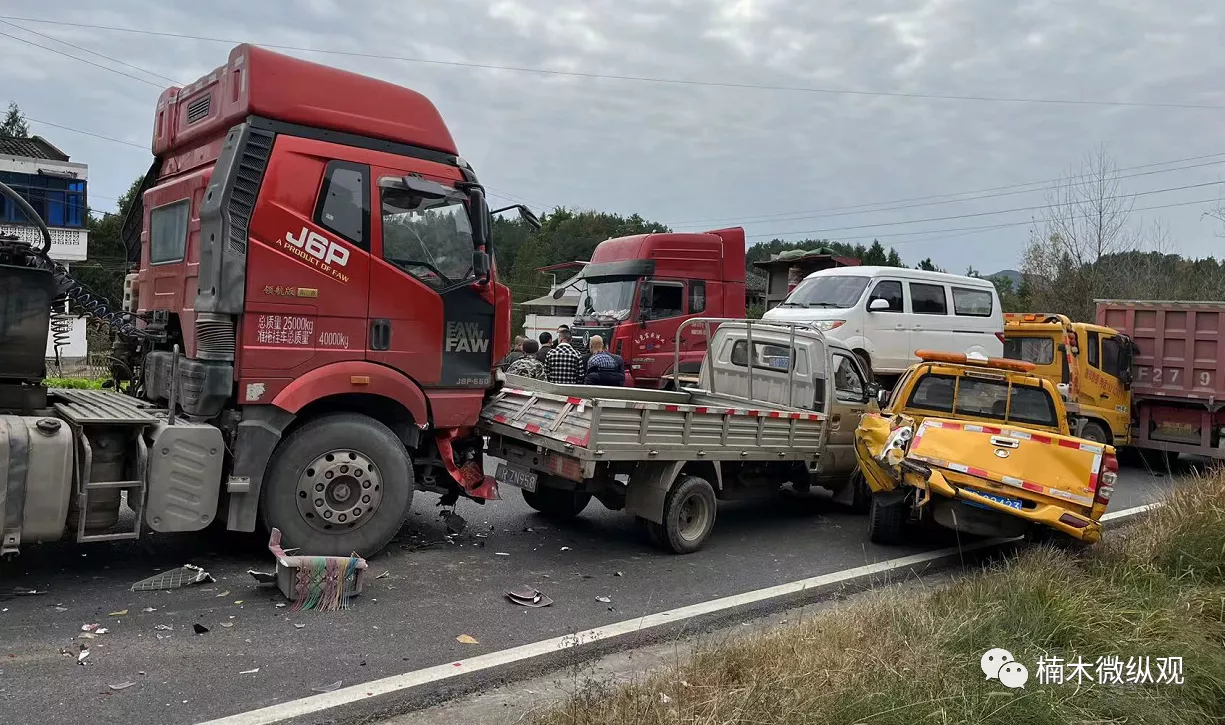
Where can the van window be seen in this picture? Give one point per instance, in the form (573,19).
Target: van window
(1037,350)
(168,232)
(890,291)
(697,296)
(835,292)
(666,300)
(1091,352)
(928,299)
(972,302)
(344,202)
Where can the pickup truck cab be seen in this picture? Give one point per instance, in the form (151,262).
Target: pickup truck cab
(982,446)
(774,404)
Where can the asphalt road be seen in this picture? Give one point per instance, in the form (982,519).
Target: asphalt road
(408,619)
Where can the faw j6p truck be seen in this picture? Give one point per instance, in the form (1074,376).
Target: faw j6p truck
(309,336)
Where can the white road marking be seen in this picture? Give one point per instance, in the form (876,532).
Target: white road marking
(396,683)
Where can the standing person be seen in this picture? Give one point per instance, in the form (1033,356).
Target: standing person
(545,345)
(603,367)
(528,366)
(564,364)
(515,353)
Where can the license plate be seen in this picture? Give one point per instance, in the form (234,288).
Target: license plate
(1011,503)
(524,479)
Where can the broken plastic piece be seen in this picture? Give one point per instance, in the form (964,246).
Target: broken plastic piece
(501,553)
(384,575)
(263,577)
(454,522)
(120,613)
(164,627)
(603,600)
(322,583)
(328,688)
(299,626)
(199,628)
(184,576)
(565,548)
(82,655)
(249,672)
(227,625)
(146,610)
(122,685)
(528,597)
(466,639)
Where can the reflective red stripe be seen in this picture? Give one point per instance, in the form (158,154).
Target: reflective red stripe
(1070,444)
(576,440)
(754,412)
(574,401)
(991,430)
(1041,439)
(1031,487)
(532,428)
(672,408)
(499,418)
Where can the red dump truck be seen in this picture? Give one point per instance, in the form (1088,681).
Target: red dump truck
(1177,376)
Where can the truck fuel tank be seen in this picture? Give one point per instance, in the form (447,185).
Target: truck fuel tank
(35,479)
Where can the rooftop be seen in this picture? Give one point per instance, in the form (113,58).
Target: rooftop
(34,147)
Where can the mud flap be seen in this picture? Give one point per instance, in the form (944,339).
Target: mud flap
(648,489)
(462,452)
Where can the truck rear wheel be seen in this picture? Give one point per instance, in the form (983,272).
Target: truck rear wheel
(557,503)
(1096,432)
(886,521)
(689,515)
(339,484)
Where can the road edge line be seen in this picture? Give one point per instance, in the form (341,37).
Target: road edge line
(437,673)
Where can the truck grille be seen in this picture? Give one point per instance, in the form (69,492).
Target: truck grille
(198,109)
(214,336)
(251,166)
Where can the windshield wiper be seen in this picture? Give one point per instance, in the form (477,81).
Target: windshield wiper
(792,304)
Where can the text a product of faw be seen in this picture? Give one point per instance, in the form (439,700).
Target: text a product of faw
(318,251)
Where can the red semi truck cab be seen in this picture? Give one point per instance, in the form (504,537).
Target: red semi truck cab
(640,288)
(312,246)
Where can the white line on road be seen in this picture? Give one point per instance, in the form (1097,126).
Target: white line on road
(429,675)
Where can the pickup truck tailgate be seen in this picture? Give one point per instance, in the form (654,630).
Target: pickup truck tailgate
(1047,464)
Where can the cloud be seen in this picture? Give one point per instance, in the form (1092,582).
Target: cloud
(680,152)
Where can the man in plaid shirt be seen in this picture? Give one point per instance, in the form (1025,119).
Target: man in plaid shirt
(564,364)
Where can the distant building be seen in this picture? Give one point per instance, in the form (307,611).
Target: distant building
(785,270)
(544,314)
(55,187)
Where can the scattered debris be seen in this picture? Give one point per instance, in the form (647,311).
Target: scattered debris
(565,548)
(122,685)
(249,672)
(199,628)
(321,583)
(664,698)
(120,613)
(227,625)
(146,610)
(454,522)
(263,577)
(603,600)
(617,573)
(238,601)
(95,628)
(58,609)
(82,655)
(528,597)
(501,553)
(184,576)
(281,605)
(328,688)
(384,575)
(164,627)
(27,592)
(466,639)
(226,593)
(299,626)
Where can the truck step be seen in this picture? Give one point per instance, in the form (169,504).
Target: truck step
(84,407)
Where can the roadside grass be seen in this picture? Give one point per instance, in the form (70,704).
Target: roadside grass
(79,383)
(906,655)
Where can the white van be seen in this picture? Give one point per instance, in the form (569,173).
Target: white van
(886,313)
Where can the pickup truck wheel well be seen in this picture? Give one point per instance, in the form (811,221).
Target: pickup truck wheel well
(390,413)
(703,469)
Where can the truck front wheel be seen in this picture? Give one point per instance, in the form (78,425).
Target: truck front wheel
(340,484)
(557,503)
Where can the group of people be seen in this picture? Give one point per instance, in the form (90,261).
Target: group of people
(557,360)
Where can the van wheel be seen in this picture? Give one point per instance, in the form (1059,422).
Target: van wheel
(689,514)
(556,503)
(340,484)
(1096,432)
(886,522)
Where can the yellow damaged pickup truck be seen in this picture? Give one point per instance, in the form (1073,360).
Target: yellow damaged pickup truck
(981,446)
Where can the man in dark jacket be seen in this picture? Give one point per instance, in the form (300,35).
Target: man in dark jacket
(545,345)
(603,367)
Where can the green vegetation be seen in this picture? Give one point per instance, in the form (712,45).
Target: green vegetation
(80,383)
(907,655)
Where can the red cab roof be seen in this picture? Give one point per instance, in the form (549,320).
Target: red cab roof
(257,81)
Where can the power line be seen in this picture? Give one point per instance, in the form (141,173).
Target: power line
(990,213)
(987,227)
(83,60)
(864,208)
(86,133)
(91,52)
(647,79)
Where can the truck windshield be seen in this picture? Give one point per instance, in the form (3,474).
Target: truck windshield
(607,298)
(428,237)
(832,292)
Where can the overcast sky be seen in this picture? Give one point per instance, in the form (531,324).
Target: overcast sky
(700,156)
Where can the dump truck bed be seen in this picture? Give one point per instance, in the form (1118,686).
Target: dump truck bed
(594,423)
(1179,346)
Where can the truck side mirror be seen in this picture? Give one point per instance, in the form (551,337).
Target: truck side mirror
(872,391)
(882,397)
(879,304)
(480,264)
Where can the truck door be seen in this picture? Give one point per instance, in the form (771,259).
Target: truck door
(1102,385)
(661,307)
(429,317)
(850,402)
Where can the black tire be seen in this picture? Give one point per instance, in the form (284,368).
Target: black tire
(886,522)
(1096,432)
(556,503)
(653,532)
(689,514)
(861,494)
(391,480)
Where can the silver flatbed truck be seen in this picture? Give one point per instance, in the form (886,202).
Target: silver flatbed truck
(774,403)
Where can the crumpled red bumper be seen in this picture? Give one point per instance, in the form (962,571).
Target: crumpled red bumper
(470,474)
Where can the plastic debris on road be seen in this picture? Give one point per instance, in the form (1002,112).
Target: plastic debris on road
(466,639)
(299,626)
(146,610)
(227,625)
(603,600)
(120,613)
(249,672)
(263,577)
(454,522)
(321,583)
(164,627)
(226,593)
(528,597)
(328,688)
(199,628)
(184,576)
(82,655)
(94,628)
(565,548)
(384,575)
(122,685)
(501,553)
